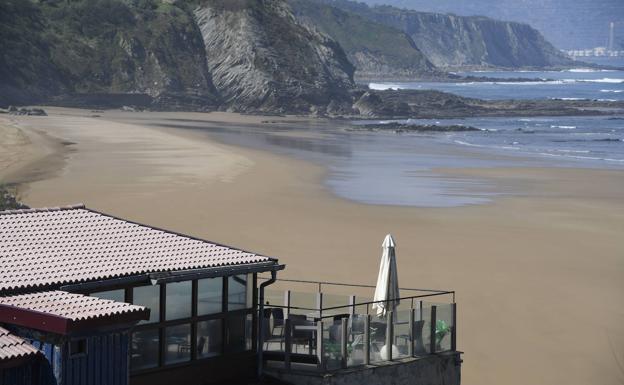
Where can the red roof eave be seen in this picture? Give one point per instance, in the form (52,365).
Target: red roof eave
(37,320)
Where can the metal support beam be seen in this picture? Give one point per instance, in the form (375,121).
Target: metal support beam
(432,337)
(320,348)
(367,339)
(343,342)
(287,297)
(454,328)
(412,333)
(319,304)
(261,320)
(389,334)
(288,343)
(351,305)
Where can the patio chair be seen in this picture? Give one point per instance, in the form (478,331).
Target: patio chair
(278,321)
(268,334)
(301,337)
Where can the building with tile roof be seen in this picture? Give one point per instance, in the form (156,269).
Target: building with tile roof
(108,300)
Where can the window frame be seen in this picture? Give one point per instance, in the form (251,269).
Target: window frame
(81,342)
(224,316)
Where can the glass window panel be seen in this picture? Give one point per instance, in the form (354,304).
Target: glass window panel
(209,296)
(144,350)
(209,338)
(113,295)
(237,292)
(239,333)
(148,296)
(179,300)
(177,344)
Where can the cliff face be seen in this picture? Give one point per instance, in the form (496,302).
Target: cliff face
(246,55)
(455,41)
(261,59)
(99,47)
(376,50)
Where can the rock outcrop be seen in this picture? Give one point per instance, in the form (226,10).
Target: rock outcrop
(105,47)
(262,59)
(465,41)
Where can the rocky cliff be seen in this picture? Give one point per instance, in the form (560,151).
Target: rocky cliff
(455,41)
(261,59)
(376,50)
(90,48)
(245,55)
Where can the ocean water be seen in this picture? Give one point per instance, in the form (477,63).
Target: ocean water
(594,142)
(580,83)
(387,168)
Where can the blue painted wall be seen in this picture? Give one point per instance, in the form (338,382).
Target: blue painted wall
(104,363)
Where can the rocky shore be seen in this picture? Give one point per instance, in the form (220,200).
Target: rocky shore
(400,128)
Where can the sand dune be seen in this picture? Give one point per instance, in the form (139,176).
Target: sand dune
(539,276)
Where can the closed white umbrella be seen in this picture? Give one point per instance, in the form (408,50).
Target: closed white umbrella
(387,289)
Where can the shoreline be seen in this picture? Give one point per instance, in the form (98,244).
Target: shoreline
(532,271)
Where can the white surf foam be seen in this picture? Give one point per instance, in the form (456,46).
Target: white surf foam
(389,86)
(564,127)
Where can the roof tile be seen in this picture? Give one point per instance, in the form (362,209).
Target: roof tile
(12,347)
(40,247)
(71,306)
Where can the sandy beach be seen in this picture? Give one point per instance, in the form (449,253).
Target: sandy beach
(539,275)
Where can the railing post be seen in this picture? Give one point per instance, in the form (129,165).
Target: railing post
(367,339)
(320,353)
(287,303)
(432,342)
(343,342)
(287,343)
(454,328)
(351,305)
(410,348)
(319,304)
(420,310)
(389,335)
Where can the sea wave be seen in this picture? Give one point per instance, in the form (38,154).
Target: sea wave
(582,157)
(586,140)
(583,70)
(564,127)
(463,143)
(602,80)
(390,86)
(612,91)
(547,82)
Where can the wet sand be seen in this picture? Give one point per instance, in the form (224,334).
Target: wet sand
(539,275)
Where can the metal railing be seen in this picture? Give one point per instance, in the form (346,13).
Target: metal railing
(326,338)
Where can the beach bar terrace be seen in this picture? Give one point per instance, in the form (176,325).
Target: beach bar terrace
(316,337)
(87,298)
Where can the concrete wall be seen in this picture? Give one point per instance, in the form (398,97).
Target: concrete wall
(438,369)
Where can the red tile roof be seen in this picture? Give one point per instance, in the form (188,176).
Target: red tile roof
(13,347)
(55,246)
(62,312)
